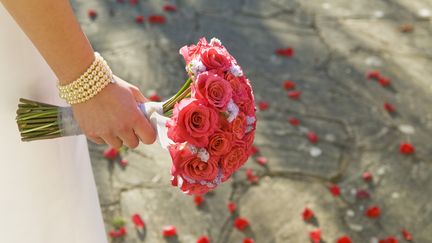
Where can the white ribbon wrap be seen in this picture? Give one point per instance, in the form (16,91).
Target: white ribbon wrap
(154,113)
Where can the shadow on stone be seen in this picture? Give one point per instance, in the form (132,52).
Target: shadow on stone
(141,233)
(173,239)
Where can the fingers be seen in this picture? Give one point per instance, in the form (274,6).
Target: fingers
(130,139)
(144,130)
(113,141)
(139,97)
(96,140)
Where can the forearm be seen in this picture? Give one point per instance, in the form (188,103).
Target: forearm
(52,27)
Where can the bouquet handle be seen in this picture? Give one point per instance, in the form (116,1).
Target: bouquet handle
(153,111)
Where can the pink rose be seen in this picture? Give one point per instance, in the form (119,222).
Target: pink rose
(214,89)
(238,126)
(192,122)
(233,160)
(188,52)
(215,58)
(188,164)
(219,143)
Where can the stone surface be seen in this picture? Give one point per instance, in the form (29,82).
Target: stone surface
(335,42)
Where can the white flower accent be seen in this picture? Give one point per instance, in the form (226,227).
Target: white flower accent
(216,41)
(197,67)
(233,110)
(203,154)
(193,149)
(179,181)
(250,120)
(236,70)
(249,129)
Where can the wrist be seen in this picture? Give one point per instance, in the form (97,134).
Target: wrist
(97,76)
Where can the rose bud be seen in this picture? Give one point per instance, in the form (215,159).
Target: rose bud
(373,75)
(261,160)
(203,239)
(362,194)
(407,235)
(384,81)
(255,150)
(313,138)
(137,220)
(285,52)
(169,231)
(169,8)
(367,176)
(308,214)
(335,190)
(248,240)
(157,19)
(118,233)
(139,19)
(373,212)
(92,13)
(155,97)
(288,85)
(389,108)
(198,199)
(231,207)
(344,239)
(123,162)
(293,121)
(406,148)
(295,94)
(315,236)
(241,223)
(262,105)
(111,153)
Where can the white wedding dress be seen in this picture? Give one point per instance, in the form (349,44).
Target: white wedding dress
(47,189)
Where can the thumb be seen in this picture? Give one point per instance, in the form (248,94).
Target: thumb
(139,97)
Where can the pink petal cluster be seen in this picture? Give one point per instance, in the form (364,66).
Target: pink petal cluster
(213,130)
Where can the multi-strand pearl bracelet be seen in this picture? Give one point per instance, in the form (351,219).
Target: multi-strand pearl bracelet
(97,77)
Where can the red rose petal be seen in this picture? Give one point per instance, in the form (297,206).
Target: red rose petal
(203,239)
(255,150)
(169,8)
(344,239)
(261,160)
(139,19)
(373,212)
(262,105)
(406,235)
(384,81)
(285,52)
(315,236)
(406,148)
(335,190)
(390,239)
(124,162)
(137,220)
(373,75)
(288,85)
(198,199)
(231,207)
(252,178)
(118,233)
(241,223)
(367,176)
(157,19)
(313,138)
(362,194)
(295,94)
(389,107)
(293,121)
(111,153)
(248,240)
(92,13)
(169,231)
(308,214)
(155,97)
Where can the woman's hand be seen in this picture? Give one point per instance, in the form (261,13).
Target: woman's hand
(113,117)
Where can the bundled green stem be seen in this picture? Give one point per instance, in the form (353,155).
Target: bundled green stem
(37,120)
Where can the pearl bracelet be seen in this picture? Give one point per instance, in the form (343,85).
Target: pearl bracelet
(89,84)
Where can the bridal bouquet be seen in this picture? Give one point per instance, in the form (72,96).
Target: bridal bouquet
(208,126)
